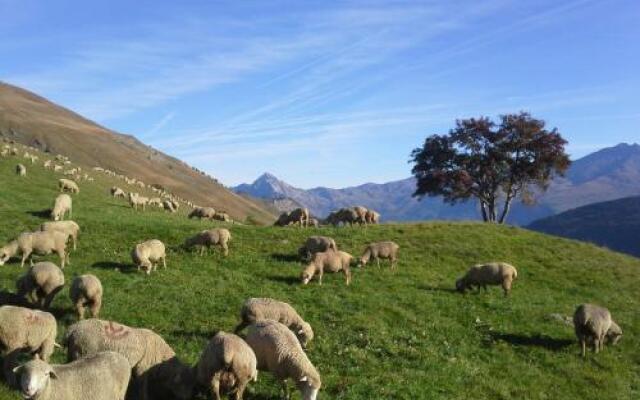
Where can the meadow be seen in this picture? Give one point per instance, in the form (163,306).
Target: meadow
(403,334)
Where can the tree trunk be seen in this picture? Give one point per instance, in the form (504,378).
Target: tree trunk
(506,209)
(483,208)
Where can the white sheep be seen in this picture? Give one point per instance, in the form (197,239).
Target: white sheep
(256,309)
(316,244)
(67,185)
(210,237)
(61,206)
(153,361)
(169,205)
(331,261)
(594,324)
(494,273)
(102,376)
(278,351)
(21,170)
(41,243)
(41,283)
(226,353)
(117,192)
(69,228)
(386,250)
(372,217)
(147,254)
(138,201)
(202,212)
(86,290)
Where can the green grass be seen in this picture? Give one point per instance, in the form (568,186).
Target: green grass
(390,335)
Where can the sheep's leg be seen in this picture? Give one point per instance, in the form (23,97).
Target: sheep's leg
(285,390)
(347,273)
(378,262)
(240,391)
(320,277)
(24,258)
(94,308)
(583,344)
(164,262)
(74,242)
(80,309)
(215,386)
(225,249)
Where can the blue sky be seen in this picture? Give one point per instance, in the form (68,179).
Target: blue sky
(331,93)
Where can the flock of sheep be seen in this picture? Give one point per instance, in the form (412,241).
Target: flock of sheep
(107,359)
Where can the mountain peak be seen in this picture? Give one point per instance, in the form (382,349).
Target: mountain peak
(267,176)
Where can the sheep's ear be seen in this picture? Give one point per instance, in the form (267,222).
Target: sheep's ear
(304,379)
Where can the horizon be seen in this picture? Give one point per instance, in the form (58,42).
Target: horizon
(313,91)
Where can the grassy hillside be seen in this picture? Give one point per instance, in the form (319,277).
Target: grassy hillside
(400,335)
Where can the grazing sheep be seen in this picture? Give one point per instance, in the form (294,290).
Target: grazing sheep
(138,201)
(48,164)
(69,228)
(117,192)
(316,244)
(66,185)
(155,201)
(256,309)
(314,222)
(344,215)
(41,283)
(297,216)
(169,205)
(361,213)
(41,243)
(23,330)
(86,290)
(372,217)
(57,168)
(62,205)
(593,324)
(387,250)
(146,254)
(222,216)
(227,352)
(21,170)
(481,275)
(279,352)
(102,376)
(202,212)
(211,237)
(153,361)
(331,261)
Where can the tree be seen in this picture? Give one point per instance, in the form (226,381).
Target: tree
(492,162)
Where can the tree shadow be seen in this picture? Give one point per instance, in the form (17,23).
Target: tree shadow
(44,214)
(120,267)
(289,280)
(285,257)
(437,289)
(537,340)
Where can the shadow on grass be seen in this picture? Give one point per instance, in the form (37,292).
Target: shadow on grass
(12,299)
(538,340)
(285,257)
(437,289)
(194,334)
(61,313)
(44,214)
(120,267)
(289,279)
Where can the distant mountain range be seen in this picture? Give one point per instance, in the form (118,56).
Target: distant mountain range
(607,174)
(612,224)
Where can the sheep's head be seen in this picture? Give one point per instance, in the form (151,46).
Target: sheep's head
(461,286)
(307,274)
(34,377)
(228,381)
(309,387)
(5,254)
(304,334)
(184,382)
(614,334)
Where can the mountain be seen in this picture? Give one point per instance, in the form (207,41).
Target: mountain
(612,224)
(32,120)
(607,174)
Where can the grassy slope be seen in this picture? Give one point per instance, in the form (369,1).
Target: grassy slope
(401,335)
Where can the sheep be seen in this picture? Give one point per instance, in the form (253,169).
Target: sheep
(86,290)
(146,254)
(61,206)
(25,330)
(297,216)
(117,192)
(594,324)
(48,164)
(41,283)
(169,205)
(138,201)
(210,237)
(21,170)
(344,216)
(66,185)
(361,213)
(316,244)
(153,361)
(372,217)
(256,309)
(279,352)
(222,216)
(36,242)
(314,222)
(494,273)
(57,168)
(156,201)
(387,250)
(102,376)
(332,261)
(202,212)
(227,352)
(69,228)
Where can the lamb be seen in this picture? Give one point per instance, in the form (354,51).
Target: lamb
(153,361)
(279,352)
(332,261)
(372,217)
(146,254)
(210,237)
(86,290)
(21,170)
(36,242)
(66,185)
(41,283)
(594,324)
(117,192)
(387,250)
(202,212)
(102,376)
(256,309)
(316,244)
(494,273)
(69,228)
(138,201)
(228,353)
(62,205)
(25,330)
